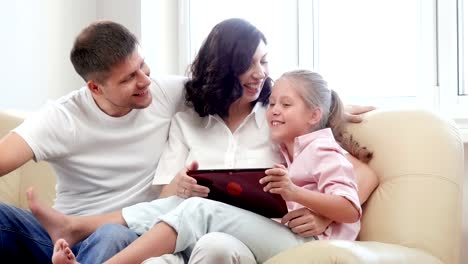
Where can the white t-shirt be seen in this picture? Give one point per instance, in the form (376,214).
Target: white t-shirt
(102,163)
(210,142)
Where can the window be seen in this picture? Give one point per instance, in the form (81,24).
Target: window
(369,50)
(390,53)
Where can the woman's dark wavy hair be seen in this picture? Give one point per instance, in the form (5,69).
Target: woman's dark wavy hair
(214,74)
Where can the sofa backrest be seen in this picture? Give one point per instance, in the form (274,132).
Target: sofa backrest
(418,157)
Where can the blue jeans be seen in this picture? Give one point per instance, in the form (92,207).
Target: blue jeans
(23,239)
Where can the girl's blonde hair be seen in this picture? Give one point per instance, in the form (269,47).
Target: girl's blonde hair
(315,93)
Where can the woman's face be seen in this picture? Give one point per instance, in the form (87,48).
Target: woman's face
(253,79)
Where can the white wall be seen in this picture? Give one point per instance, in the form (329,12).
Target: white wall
(65,19)
(126,12)
(159,35)
(36,39)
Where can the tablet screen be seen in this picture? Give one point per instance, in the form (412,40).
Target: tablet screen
(241,188)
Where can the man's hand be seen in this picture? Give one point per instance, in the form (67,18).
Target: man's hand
(305,223)
(186,186)
(352,113)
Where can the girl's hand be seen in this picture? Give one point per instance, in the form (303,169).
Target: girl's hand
(278,181)
(187,186)
(305,223)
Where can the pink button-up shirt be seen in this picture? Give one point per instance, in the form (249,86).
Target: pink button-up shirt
(320,165)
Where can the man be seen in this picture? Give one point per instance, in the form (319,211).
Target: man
(103,141)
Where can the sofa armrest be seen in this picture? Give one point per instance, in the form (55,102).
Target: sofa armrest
(38,175)
(352,252)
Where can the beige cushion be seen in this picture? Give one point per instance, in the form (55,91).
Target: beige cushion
(414,216)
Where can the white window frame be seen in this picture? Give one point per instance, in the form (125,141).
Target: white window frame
(451,104)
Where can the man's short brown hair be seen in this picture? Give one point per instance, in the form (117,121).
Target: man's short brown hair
(99,47)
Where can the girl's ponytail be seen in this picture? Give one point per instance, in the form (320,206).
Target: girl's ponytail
(335,116)
(336,123)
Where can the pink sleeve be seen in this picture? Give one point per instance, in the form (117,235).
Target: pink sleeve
(335,174)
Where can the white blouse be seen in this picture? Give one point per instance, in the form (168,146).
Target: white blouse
(209,141)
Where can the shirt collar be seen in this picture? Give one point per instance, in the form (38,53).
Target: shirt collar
(259,112)
(301,142)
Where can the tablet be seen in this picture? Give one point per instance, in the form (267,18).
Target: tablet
(241,188)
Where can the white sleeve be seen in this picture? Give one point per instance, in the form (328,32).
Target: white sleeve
(170,95)
(49,132)
(174,156)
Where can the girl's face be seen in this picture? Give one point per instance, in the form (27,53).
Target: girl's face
(253,79)
(288,115)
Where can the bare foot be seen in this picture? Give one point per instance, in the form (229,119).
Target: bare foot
(57,224)
(62,253)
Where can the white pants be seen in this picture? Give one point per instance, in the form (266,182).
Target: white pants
(195,217)
(212,248)
(216,248)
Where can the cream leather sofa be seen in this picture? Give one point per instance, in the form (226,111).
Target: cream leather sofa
(414,216)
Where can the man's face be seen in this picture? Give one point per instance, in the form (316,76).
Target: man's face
(126,88)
